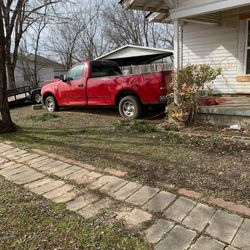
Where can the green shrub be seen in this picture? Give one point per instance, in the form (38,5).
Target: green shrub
(187,87)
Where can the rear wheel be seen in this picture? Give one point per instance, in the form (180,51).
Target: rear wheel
(36,97)
(51,104)
(130,107)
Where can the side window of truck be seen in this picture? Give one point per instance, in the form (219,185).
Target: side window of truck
(76,72)
(105,70)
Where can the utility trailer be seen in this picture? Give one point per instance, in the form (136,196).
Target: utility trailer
(24,94)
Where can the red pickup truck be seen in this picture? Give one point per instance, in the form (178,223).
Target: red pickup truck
(101,83)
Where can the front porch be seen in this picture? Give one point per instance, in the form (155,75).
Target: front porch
(230,110)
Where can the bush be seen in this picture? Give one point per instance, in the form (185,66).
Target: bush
(187,87)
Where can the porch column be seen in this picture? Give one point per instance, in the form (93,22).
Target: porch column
(177,52)
(177,38)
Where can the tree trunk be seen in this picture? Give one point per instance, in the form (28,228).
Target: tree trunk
(11,76)
(6,124)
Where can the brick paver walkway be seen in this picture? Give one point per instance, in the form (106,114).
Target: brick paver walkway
(173,222)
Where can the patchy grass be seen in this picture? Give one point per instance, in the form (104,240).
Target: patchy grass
(31,222)
(208,163)
(43,117)
(134,126)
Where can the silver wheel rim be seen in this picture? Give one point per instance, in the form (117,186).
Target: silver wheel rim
(50,105)
(37,98)
(128,109)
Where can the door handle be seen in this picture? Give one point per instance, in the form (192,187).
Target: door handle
(80,85)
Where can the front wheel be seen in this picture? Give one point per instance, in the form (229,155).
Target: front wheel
(51,104)
(130,107)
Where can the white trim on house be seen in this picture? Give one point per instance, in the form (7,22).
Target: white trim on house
(246,47)
(202,9)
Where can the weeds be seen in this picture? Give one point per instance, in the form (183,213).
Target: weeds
(134,126)
(43,117)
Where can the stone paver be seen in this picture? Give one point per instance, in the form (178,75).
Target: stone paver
(179,210)
(242,239)
(137,217)
(16,153)
(160,202)
(55,167)
(17,157)
(9,165)
(82,201)
(207,244)
(100,182)
(126,191)
(71,195)
(37,159)
(47,187)
(29,177)
(113,186)
(64,172)
(95,208)
(199,217)
(233,248)
(142,195)
(46,168)
(4,148)
(10,152)
(77,175)
(28,158)
(155,233)
(2,161)
(179,238)
(17,170)
(39,164)
(58,191)
(38,183)
(89,178)
(224,226)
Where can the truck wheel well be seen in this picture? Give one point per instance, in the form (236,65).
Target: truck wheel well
(46,95)
(124,93)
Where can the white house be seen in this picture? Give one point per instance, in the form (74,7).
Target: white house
(216,32)
(46,70)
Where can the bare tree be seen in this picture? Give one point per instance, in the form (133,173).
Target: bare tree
(15,18)
(74,36)
(131,27)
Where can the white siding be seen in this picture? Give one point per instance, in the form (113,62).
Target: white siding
(218,46)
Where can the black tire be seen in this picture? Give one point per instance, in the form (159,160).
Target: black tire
(36,97)
(130,107)
(51,104)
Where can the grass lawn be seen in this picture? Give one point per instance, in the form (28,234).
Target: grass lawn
(31,222)
(211,165)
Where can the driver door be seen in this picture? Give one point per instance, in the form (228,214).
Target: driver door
(73,90)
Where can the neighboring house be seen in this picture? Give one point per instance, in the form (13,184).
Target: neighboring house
(139,59)
(46,70)
(207,31)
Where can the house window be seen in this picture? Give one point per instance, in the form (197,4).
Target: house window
(248,49)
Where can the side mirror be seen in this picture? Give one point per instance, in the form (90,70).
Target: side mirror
(62,78)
